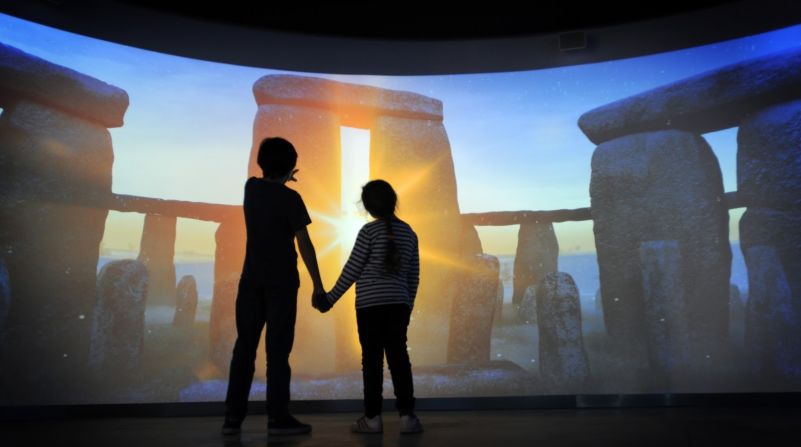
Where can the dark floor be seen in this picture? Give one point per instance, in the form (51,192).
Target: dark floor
(592,427)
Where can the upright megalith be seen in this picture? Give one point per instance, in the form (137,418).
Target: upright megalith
(537,255)
(773,318)
(228,259)
(769,180)
(290,107)
(563,360)
(157,253)
(118,321)
(185,302)
(661,186)
(665,312)
(409,147)
(527,311)
(471,243)
(55,149)
(473,312)
(769,160)
(414,156)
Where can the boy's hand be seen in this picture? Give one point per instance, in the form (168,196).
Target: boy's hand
(321,303)
(292,176)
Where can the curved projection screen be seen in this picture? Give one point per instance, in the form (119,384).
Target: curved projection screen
(631,226)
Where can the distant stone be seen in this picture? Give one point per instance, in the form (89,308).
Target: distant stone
(473,311)
(498,317)
(666,322)
(527,312)
(537,255)
(118,325)
(157,253)
(186,302)
(471,244)
(773,317)
(563,360)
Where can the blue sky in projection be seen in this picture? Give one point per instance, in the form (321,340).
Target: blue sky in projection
(515,141)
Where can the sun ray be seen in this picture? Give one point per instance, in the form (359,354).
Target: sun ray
(412,179)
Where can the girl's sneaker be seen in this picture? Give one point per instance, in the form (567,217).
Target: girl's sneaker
(368,425)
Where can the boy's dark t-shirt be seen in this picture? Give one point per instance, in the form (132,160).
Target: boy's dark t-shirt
(273,213)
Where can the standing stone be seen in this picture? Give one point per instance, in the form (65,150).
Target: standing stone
(315,133)
(537,254)
(661,186)
(563,360)
(229,257)
(472,313)
(773,317)
(51,248)
(498,317)
(736,316)
(157,253)
(118,323)
(769,180)
(471,243)
(769,160)
(527,311)
(666,322)
(409,148)
(414,156)
(55,149)
(781,230)
(185,303)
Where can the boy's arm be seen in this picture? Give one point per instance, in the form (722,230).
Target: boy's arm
(309,256)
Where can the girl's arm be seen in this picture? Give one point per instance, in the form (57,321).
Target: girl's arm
(353,268)
(413,279)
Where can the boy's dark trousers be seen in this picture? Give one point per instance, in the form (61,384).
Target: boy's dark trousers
(257,304)
(383,329)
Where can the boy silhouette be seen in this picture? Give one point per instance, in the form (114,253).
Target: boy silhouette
(275,216)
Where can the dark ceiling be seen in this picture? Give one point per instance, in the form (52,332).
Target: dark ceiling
(425,20)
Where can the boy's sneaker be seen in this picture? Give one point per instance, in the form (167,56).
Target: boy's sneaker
(231,427)
(286,425)
(368,425)
(409,423)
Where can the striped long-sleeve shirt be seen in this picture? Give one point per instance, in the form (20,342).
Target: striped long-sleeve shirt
(376,286)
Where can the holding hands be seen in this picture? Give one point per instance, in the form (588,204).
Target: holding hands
(320,302)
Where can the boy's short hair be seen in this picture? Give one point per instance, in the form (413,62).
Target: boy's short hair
(277,157)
